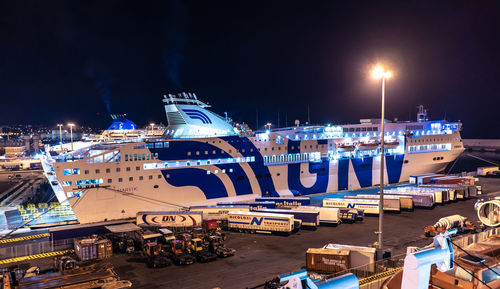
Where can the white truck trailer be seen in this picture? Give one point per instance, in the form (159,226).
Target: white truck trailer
(257,222)
(326,215)
(218,212)
(368,206)
(170,219)
(390,204)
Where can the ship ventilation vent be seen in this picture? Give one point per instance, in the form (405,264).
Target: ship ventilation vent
(174,118)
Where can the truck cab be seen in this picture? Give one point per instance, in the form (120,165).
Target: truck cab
(167,235)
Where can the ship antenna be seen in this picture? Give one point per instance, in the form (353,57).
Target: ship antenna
(308,116)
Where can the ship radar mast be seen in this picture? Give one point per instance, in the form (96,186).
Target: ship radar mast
(422,114)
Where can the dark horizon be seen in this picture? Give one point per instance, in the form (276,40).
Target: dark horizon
(80,61)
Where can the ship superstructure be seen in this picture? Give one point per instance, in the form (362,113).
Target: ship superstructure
(203,159)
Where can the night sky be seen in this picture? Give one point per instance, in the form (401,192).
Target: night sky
(80,61)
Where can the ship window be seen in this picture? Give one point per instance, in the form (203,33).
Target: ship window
(272,148)
(67,172)
(242,150)
(206,152)
(126,158)
(117,170)
(155,186)
(265,149)
(120,180)
(97,171)
(279,148)
(86,172)
(230,151)
(109,181)
(159,145)
(293,147)
(310,146)
(159,176)
(406,161)
(357,129)
(147,157)
(108,171)
(240,178)
(188,153)
(197,153)
(150,177)
(130,179)
(128,169)
(214,152)
(76,171)
(230,170)
(137,168)
(135,157)
(363,129)
(251,150)
(131,157)
(490,275)
(278,174)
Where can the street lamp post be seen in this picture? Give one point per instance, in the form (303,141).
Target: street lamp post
(60,134)
(379,73)
(71,125)
(152,128)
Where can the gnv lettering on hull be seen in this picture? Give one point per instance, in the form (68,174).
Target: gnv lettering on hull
(257,221)
(351,206)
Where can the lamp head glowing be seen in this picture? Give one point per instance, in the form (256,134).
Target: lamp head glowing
(152,124)
(71,124)
(378,72)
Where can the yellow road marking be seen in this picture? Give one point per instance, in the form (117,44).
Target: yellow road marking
(37,256)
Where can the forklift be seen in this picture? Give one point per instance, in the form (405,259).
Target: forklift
(202,254)
(157,258)
(217,247)
(179,254)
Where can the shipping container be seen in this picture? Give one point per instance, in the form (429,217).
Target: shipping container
(309,218)
(218,212)
(391,204)
(326,215)
(287,202)
(180,219)
(327,260)
(368,206)
(257,222)
(252,205)
(85,248)
(406,202)
(361,258)
(104,249)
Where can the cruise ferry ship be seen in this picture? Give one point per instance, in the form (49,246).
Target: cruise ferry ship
(203,158)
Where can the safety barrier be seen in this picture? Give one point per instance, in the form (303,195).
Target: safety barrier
(36,256)
(25,238)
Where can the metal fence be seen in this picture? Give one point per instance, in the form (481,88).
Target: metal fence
(33,248)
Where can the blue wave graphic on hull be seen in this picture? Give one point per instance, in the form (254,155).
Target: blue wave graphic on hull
(196,114)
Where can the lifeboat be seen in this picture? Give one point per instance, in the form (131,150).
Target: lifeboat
(345,147)
(367,145)
(390,144)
